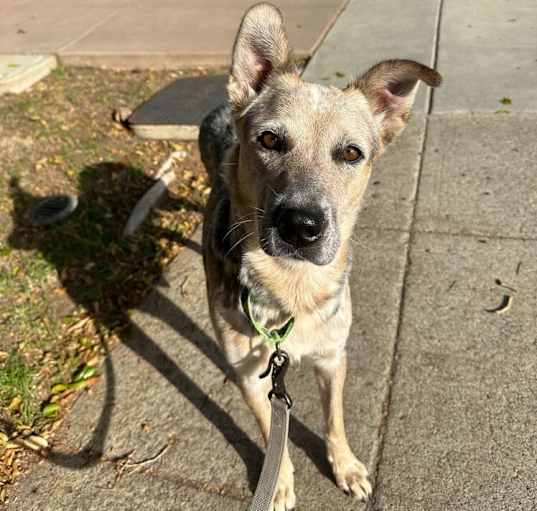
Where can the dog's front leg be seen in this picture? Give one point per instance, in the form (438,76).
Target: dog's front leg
(350,473)
(255,392)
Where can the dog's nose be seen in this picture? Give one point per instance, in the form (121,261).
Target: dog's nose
(300,227)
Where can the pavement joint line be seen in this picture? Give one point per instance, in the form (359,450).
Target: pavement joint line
(86,33)
(200,486)
(447,233)
(324,34)
(196,485)
(436,44)
(378,447)
(475,235)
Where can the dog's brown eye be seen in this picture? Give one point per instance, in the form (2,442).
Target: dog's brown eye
(352,154)
(270,140)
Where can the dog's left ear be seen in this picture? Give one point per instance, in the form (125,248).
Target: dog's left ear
(390,88)
(260,48)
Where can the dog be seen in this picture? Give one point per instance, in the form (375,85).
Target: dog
(289,162)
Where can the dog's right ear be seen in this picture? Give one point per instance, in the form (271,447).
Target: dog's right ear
(260,48)
(390,88)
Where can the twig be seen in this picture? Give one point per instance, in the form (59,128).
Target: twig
(147,461)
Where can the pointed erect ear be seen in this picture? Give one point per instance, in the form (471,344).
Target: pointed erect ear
(260,48)
(390,88)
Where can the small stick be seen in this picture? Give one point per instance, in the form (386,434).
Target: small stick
(147,461)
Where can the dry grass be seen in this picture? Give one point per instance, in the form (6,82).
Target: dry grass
(65,289)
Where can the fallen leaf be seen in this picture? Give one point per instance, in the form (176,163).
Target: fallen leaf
(51,409)
(15,403)
(504,305)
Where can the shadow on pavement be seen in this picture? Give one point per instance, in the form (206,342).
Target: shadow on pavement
(95,266)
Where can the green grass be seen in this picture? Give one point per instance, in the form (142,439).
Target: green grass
(16,381)
(59,72)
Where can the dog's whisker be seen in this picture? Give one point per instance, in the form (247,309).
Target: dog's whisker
(235,226)
(274,192)
(247,235)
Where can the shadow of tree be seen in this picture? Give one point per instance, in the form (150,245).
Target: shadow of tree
(106,275)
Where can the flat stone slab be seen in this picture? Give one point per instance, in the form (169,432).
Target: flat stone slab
(19,72)
(165,386)
(390,197)
(160,34)
(177,111)
(487,53)
(461,427)
(369,31)
(479,176)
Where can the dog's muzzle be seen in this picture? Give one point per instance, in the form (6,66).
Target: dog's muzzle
(300,231)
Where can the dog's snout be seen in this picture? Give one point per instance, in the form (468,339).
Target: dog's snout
(300,227)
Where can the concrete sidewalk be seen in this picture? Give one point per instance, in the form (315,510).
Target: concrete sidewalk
(440,400)
(160,34)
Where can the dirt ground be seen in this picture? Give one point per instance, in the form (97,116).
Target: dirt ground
(66,289)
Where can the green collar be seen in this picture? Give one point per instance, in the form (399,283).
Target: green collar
(274,336)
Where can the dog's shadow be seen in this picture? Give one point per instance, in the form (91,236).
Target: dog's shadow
(86,250)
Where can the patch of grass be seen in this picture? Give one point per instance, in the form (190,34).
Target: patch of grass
(65,289)
(16,380)
(59,72)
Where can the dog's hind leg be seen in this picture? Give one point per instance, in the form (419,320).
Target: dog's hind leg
(350,473)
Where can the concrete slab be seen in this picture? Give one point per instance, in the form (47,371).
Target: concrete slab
(461,428)
(389,199)
(36,27)
(369,31)
(20,72)
(486,53)
(126,34)
(479,176)
(177,111)
(189,34)
(165,385)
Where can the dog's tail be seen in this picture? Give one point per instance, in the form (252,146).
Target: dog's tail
(216,136)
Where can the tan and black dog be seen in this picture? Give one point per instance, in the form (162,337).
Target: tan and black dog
(289,163)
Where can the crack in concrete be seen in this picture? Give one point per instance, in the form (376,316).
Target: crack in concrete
(226,491)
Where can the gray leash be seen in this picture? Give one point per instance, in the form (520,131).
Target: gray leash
(279,428)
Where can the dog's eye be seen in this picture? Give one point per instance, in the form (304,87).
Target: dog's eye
(270,140)
(352,154)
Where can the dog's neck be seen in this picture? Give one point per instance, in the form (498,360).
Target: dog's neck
(294,287)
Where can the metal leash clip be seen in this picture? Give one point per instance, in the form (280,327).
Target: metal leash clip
(278,363)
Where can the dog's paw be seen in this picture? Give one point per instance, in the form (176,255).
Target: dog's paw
(350,474)
(285,498)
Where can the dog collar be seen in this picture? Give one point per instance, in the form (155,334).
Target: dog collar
(275,336)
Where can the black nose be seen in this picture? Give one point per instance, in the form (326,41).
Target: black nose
(300,227)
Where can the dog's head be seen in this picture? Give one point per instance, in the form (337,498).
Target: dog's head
(306,149)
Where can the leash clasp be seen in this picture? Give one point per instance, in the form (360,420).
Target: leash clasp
(278,364)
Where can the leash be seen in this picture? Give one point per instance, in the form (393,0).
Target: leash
(280,403)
